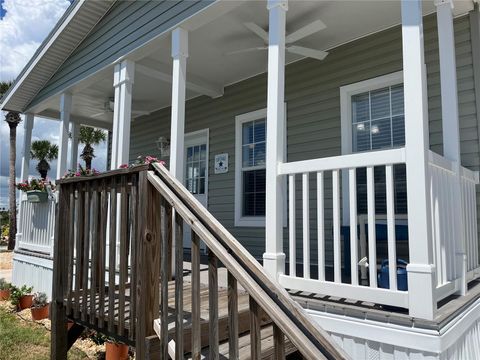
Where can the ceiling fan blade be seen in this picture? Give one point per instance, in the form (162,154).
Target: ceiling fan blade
(305,31)
(247,50)
(307,52)
(257,30)
(99,114)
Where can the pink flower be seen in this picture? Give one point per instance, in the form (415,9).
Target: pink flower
(123,166)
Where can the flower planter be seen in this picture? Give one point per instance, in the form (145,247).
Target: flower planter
(40,313)
(116,351)
(4,294)
(25,302)
(37,196)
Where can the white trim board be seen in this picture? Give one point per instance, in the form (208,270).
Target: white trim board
(401,336)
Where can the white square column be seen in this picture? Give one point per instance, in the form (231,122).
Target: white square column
(274,257)
(123,79)
(27,143)
(75,131)
(65,111)
(421,271)
(451,128)
(179,76)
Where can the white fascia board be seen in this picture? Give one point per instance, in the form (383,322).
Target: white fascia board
(42,52)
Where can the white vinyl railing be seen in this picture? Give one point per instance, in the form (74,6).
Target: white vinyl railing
(448,229)
(36,226)
(326,202)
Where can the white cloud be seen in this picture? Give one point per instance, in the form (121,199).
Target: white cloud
(25,25)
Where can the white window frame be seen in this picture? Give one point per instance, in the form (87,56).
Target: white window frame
(346,93)
(240,220)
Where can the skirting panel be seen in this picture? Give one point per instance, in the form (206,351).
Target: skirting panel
(33,271)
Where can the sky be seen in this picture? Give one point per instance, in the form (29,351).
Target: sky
(24,24)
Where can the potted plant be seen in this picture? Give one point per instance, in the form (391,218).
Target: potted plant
(36,190)
(21,297)
(40,306)
(4,289)
(115,350)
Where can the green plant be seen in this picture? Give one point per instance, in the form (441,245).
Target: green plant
(34,184)
(4,285)
(44,151)
(40,299)
(17,293)
(90,136)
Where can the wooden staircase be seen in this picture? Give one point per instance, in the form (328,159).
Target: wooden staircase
(141,302)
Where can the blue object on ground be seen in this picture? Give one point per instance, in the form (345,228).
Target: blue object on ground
(383,275)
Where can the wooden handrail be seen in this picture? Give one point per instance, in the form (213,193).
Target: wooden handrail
(312,341)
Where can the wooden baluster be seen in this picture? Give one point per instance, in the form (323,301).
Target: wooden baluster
(292,225)
(95,254)
(123,260)
(320,226)
(337,251)
(164,272)
(213,305)
(102,255)
(352,177)
(71,246)
(392,253)
(86,252)
(306,225)
(372,237)
(196,334)
(178,286)
(133,256)
(255,338)
(232,317)
(79,238)
(112,253)
(278,343)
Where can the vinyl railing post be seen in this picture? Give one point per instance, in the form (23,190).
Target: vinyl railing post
(274,257)
(421,270)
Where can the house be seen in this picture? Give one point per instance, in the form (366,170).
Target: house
(337,143)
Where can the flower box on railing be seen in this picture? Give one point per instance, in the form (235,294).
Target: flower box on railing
(37,196)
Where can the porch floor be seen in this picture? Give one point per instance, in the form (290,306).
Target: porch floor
(448,308)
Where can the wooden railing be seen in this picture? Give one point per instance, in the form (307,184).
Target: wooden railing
(326,202)
(36,226)
(288,318)
(143,215)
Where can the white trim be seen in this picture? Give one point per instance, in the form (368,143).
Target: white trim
(191,139)
(35,260)
(240,220)
(346,93)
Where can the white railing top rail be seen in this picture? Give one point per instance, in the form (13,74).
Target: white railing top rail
(445,164)
(349,161)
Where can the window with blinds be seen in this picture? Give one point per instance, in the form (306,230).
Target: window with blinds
(378,122)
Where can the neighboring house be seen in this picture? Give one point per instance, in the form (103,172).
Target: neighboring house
(366,126)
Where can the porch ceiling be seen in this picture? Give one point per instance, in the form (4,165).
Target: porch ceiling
(210,67)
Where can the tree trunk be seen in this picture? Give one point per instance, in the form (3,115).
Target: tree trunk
(88,163)
(11,188)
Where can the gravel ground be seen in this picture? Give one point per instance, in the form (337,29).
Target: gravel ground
(6,259)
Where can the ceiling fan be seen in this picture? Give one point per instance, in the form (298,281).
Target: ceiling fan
(307,30)
(109,106)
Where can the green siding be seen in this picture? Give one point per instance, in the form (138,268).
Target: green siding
(313,110)
(127,26)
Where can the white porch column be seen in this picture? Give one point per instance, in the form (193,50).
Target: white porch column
(177,131)
(27,142)
(274,258)
(122,113)
(450,126)
(75,130)
(421,272)
(65,110)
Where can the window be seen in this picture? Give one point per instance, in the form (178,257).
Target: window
(250,168)
(373,119)
(196,165)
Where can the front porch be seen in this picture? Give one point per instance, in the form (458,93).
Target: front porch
(316,237)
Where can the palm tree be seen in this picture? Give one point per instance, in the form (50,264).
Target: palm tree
(13,119)
(44,151)
(90,136)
